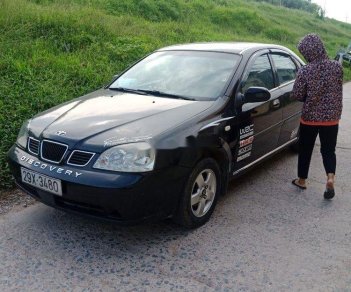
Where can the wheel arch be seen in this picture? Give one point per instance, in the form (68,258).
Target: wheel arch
(222,155)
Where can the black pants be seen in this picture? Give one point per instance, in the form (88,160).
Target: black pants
(327,136)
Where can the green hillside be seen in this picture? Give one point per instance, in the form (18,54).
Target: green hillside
(54,50)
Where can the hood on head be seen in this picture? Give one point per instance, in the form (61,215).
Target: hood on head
(312,48)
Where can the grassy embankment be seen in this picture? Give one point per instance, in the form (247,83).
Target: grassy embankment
(54,50)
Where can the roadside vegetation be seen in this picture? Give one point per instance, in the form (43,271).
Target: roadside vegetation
(305,5)
(54,50)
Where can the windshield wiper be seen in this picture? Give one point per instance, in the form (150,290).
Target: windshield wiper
(150,92)
(165,94)
(130,90)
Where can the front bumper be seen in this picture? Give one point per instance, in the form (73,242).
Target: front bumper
(122,197)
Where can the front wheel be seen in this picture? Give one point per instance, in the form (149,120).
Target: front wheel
(200,194)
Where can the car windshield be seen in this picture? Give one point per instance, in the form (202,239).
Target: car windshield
(180,74)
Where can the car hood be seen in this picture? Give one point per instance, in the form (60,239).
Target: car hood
(106,118)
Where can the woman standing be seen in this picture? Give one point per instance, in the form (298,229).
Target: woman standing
(319,86)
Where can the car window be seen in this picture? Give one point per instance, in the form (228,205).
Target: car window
(259,75)
(196,74)
(286,68)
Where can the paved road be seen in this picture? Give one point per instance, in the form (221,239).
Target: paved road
(265,235)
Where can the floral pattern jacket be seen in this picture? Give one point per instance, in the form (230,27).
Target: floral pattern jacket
(319,83)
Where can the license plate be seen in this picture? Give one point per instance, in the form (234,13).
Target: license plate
(41,181)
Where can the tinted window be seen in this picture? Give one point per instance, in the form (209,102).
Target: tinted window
(195,74)
(286,68)
(260,74)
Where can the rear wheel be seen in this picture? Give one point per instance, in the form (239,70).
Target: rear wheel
(200,194)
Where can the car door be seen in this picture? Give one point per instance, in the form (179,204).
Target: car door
(259,122)
(285,68)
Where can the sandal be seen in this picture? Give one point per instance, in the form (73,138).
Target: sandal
(329,194)
(329,190)
(294,182)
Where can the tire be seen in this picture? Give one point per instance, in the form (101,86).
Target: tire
(200,194)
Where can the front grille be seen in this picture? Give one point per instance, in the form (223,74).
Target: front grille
(33,145)
(53,151)
(80,158)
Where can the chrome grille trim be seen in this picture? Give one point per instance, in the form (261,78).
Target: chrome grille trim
(80,151)
(36,146)
(52,142)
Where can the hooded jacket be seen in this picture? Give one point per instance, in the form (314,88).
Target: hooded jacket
(318,84)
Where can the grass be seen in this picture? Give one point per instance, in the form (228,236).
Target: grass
(54,50)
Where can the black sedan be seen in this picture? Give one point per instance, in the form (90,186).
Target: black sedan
(165,136)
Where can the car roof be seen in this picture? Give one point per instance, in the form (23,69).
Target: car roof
(240,48)
(228,47)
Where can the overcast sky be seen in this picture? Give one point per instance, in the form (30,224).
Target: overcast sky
(338,9)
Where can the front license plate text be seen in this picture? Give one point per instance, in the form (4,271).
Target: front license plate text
(41,181)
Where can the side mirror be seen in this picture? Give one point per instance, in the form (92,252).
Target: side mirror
(256,94)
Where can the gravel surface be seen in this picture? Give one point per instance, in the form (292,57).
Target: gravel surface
(14,200)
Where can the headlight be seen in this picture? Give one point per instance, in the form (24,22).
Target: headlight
(134,157)
(23,134)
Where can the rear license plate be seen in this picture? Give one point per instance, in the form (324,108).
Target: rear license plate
(40,181)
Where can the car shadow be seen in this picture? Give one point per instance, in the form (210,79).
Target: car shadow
(262,168)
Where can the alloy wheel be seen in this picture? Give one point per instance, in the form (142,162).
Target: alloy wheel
(203,192)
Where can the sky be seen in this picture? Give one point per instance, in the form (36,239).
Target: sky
(338,9)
